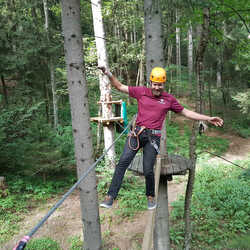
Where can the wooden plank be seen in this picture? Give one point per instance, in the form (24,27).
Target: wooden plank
(161,230)
(106,120)
(171,165)
(111,102)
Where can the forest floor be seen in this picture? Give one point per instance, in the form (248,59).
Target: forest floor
(126,234)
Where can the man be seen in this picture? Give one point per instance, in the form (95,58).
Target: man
(153,105)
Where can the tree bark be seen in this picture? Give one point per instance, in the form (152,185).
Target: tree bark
(153,35)
(78,95)
(192,145)
(105,87)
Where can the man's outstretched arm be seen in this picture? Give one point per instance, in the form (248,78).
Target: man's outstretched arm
(217,121)
(113,80)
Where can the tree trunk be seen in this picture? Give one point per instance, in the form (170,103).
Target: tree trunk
(192,145)
(54,95)
(51,68)
(5,93)
(153,35)
(170,51)
(190,58)
(218,72)
(2,182)
(78,95)
(155,57)
(142,63)
(105,87)
(209,96)
(224,98)
(140,80)
(178,51)
(46,98)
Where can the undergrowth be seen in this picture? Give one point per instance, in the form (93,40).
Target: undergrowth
(34,187)
(220,208)
(42,244)
(132,193)
(178,141)
(25,193)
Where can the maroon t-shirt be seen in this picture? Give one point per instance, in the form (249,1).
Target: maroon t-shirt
(152,110)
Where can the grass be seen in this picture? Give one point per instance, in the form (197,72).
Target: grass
(220,208)
(131,197)
(76,243)
(178,141)
(34,191)
(43,244)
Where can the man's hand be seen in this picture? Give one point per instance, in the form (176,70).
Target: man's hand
(216,121)
(102,68)
(105,71)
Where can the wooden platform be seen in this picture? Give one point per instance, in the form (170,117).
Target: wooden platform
(106,121)
(111,102)
(171,164)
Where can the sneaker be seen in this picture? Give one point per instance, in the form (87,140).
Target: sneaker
(151,203)
(108,202)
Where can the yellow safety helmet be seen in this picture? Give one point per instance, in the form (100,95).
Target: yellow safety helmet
(158,74)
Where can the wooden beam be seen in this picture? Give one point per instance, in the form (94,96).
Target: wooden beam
(161,230)
(111,102)
(148,234)
(106,121)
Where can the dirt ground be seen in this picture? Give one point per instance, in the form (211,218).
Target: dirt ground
(66,223)
(123,235)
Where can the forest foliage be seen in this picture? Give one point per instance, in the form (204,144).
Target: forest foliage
(31,146)
(26,115)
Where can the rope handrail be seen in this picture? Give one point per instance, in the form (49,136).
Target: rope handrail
(22,243)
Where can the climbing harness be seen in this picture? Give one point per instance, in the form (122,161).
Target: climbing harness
(134,133)
(153,142)
(137,130)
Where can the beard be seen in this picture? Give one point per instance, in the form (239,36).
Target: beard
(157,92)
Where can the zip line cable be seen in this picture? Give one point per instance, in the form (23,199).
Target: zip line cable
(22,243)
(222,158)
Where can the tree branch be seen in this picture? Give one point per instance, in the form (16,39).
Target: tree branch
(238,14)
